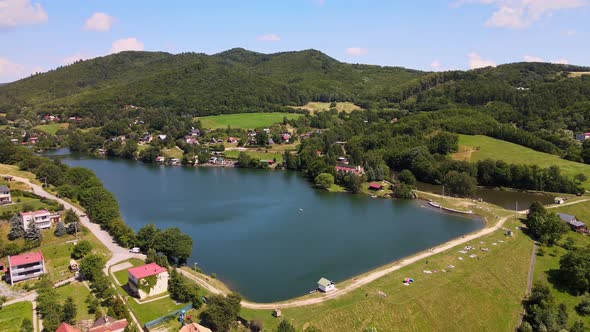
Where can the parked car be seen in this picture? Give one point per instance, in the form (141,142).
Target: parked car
(135,250)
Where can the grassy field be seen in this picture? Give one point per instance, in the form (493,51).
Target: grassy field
(245,120)
(13,170)
(11,316)
(174,152)
(579,73)
(550,261)
(233,154)
(314,107)
(21,202)
(79,293)
(52,128)
(477,295)
(474,148)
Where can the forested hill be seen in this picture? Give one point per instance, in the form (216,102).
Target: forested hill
(232,81)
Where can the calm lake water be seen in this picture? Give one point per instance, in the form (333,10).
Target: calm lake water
(268,234)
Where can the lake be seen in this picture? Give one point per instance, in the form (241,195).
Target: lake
(268,234)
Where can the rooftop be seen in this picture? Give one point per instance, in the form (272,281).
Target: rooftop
(324,282)
(146,270)
(4,188)
(566,217)
(65,327)
(34,213)
(108,323)
(29,258)
(194,327)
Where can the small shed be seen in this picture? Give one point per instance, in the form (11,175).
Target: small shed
(73,266)
(559,200)
(375,186)
(326,285)
(277,313)
(508,232)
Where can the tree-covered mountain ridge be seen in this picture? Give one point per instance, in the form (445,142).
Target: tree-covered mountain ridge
(239,80)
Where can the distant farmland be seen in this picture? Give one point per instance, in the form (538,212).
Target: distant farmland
(245,120)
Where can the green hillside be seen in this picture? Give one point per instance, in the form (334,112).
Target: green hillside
(245,120)
(234,81)
(474,148)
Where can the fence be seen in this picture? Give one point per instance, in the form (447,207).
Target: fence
(174,314)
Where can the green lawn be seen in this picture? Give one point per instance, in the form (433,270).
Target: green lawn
(478,295)
(315,106)
(174,152)
(11,316)
(79,293)
(233,154)
(245,120)
(550,261)
(21,202)
(51,128)
(474,148)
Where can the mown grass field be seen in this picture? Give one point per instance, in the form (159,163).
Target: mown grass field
(174,152)
(477,295)
(578,74)
(245,120)
(79,293)
(474,148)
(314,107)
(233,154)
(550,261)
(52,128)
(11,316)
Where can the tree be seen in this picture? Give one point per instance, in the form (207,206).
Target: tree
(407,177)
(73,228)
(403,191)
(544,226)
(444,143)
(578,327)
(146,237)
(574,270)
(91,265)
(221,311)
(33,233)
(81,249)
(60,229)
(352,182)
(26,325)
(583,308)
(460,183)
(285,326)
(16,229)
(71,217)
(69,311)
(183,290)
(175,244)
(324,180)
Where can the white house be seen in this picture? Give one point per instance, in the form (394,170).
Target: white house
(25,266)
(326,285)
(42,219)
(5,195)
(147,280)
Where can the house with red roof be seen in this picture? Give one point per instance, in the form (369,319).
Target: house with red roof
(357,170)
(25,266)
(375,186)
(147,280)
(108,324)
(65,327)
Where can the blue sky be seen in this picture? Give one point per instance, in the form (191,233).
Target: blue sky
(37,35)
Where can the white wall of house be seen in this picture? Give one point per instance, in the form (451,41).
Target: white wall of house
(41,220)
(160,287)
(328,288)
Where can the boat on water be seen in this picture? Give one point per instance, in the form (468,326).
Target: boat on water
(433,204)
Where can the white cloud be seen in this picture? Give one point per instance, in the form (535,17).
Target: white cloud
(99,22)
(560,61)
(476,61)
(357,51)
(531,58)
(569,33)
(319,2)
(518,14)
(435,65)
(21,12)
(74,57)
(126,44)
(271,37)
(11,71)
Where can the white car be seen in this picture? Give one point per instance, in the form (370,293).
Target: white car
(135,250)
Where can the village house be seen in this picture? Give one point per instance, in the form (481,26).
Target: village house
(195,132)
(146,138)
(14,140)
(42,218)
(162,137)
(582,136)
(25,266)
(160,159)
(109,324)
(357,170)
(559,200)
(141,286)
(573,222)
(326,285)
(5,195)
(375,186)
(174,162)
(33,140)
(286,137)
(194,327)
(191,140)
(65,327)
(232,140)
(342,160)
